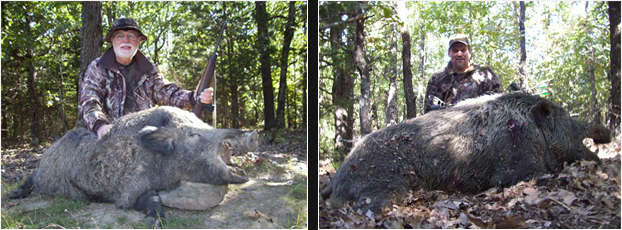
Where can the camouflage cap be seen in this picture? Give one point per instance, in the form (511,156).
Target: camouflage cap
(124,24)
(462,38)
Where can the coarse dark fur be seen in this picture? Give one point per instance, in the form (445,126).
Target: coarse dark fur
(143,153)
(490,141)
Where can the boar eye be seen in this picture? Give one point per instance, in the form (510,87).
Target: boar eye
(194,135)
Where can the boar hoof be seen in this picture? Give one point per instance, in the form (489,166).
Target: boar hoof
(238,171)
(23,190)
(19,193)
(150,204)
(152,222)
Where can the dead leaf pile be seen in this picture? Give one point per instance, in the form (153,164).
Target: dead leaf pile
(17,164)
(583,195)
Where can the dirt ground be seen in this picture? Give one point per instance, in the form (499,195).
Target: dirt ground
(275,196)
(583,195)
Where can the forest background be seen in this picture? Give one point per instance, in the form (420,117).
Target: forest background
(262,56)
(374,55)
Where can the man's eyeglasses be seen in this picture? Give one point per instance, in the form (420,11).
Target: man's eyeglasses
(121,36)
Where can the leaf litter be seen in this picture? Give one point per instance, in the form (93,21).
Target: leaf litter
(583,195)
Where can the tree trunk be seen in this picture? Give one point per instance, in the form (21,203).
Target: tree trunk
(304,89)
(35,128)
(111,12)
(155,51)
(33,108)
(263,43)
(420,88)
(60,95)
(522,82)
(361,64)
(409,93)
(291,106)
(233,82)
(5,127)
(287,40)
(614,36)
(92,40)
(343,93)
(390,117)
(594,110)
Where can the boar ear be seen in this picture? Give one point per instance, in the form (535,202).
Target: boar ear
(541,113)
(157,139)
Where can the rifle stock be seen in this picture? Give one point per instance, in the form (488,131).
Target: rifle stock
(205,81)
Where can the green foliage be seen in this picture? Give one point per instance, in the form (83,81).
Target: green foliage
(182,35)
(567,55)
(44,35)
(561,41)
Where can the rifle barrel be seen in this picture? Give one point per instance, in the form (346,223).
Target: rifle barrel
(219,37)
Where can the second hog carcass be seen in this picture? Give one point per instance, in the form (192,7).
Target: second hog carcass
(490,141)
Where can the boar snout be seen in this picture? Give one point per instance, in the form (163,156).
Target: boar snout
(600,134)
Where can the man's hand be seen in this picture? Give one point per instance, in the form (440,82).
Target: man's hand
(103,130)
(207,96)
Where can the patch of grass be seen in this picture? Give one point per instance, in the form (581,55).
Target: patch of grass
(297,197)
(121,222)
(264,167)
(7,189)
(15,222)
(181,222)
(335,164)
(298,221)
(299,191)
(280,169)
(58,214)
(249,169)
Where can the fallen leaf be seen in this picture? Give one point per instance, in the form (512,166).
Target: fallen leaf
(509,222)
(369,214)
(567,196)
(252,214)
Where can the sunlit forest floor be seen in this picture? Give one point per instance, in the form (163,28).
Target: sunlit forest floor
(275,196)
(583,195)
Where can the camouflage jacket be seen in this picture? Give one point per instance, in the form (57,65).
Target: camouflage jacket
(452,87)
(102,92)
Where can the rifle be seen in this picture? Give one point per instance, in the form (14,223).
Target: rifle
(206,79)
(542,87)
(436,103)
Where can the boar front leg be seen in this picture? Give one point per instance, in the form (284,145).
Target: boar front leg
(25,189)
(150,204)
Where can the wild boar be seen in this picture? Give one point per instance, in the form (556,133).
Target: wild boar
(481,143)
(143,153)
